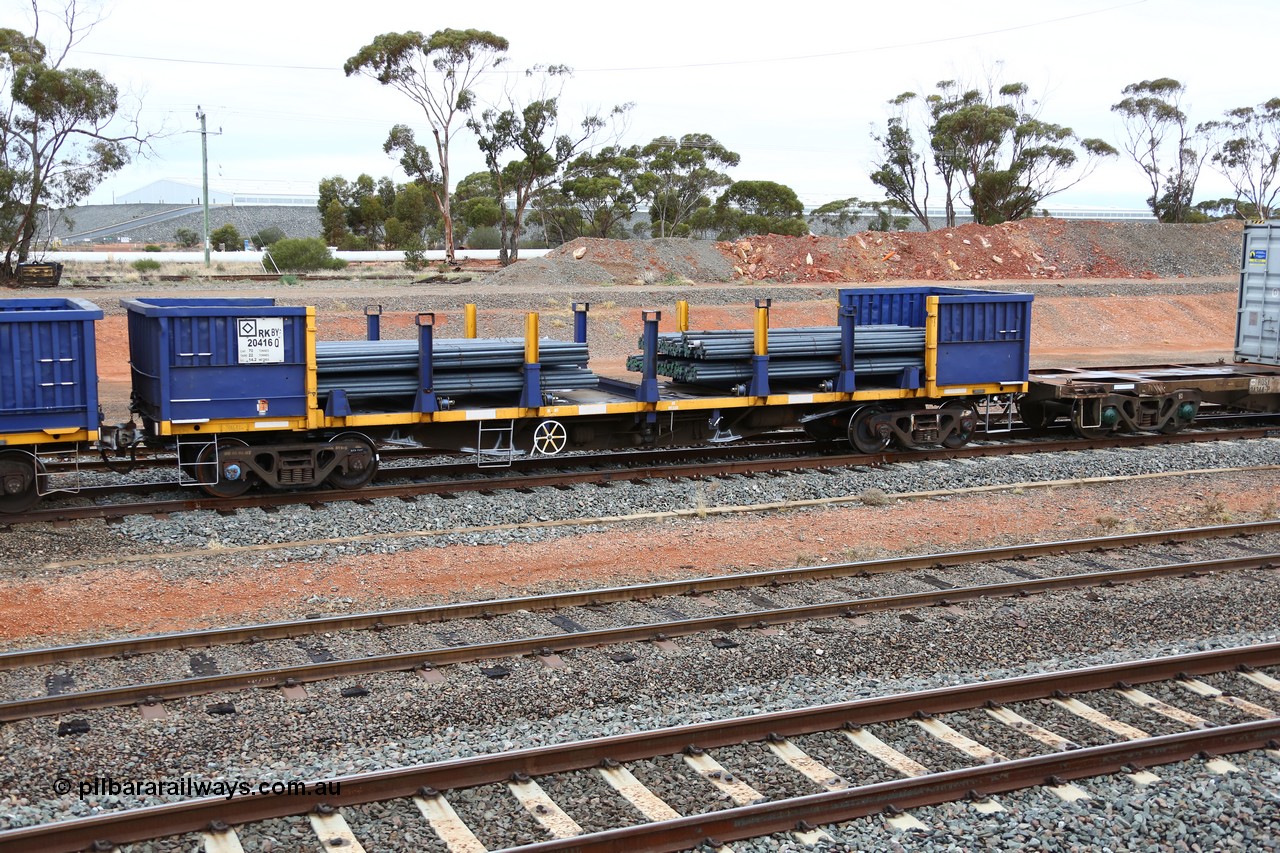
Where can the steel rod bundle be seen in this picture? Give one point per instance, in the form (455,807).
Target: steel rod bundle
(798,370)
(460,366)
(800,356)
(456,384)
(783,343)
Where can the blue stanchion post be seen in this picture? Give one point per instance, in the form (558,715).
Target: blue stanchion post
(426,400)
(846,382)
(648,390)
(373,320)
(580,310)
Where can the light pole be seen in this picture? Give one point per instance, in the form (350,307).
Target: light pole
(204,168)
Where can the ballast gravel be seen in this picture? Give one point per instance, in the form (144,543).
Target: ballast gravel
(347,529)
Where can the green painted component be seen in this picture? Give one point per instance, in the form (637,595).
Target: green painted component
(1110,416)
(1186,411)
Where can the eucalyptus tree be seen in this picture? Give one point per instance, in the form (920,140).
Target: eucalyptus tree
(680,179)
(529,132)
(61,128)
(1160,138)
(436,73)
(1248,155)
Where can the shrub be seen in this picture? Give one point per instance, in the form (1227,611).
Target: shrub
(304,253)
(268,236)
(186,238)
(226,237)
(146,265)
(151,247)
(484,238)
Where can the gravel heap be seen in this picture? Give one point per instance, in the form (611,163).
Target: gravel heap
(1029,249)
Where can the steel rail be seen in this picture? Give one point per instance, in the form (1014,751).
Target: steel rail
(154,692)
(715,828)
(660,472)
(196,815)
(377,620)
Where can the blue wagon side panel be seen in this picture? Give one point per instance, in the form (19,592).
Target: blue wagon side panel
(984,338)
(48,365)
(197,360)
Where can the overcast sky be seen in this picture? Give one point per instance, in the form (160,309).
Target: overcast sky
(794,88)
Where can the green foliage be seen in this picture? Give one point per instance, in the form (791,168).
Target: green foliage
(840,217)
(1227,208)
(1161,141)
(987,147)
(151,247)
(186,238)
(288,280)
(596,198)
(678,179)
(145,265)
(899,170)
(415,257)
(227,238)
(531,134)
(267,236)
(304,253)
(760,207)
(1248,154)
(485,237)
(437,74)
(1007,158)
(56,137)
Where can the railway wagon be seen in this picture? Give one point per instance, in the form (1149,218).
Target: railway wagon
(1167,397)
(245,393)
(48,389)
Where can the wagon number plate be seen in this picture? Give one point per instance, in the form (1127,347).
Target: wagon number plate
(260,340)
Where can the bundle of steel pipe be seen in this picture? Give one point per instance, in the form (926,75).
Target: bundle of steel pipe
(795,370)
(458,384)
(798,356)
(727,344)
(460,366)
(446,354)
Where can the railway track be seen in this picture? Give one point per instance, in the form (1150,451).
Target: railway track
(54,668)
(409,482)
(790,772)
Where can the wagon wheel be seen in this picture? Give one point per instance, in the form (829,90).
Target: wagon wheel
(1035,415)
(22,481)
(362,464)
(549,438)
(862,435)
(1082,431)
(223,479)
(1182,417)
(964,411)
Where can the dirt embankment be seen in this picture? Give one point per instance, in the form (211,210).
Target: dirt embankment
(1031,249)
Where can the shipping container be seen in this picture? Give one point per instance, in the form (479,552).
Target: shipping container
(199,360)
(1258,316)
(48,368)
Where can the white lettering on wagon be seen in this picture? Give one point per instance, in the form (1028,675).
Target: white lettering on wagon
(260,340)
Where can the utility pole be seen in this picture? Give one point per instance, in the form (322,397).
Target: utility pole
(204,164)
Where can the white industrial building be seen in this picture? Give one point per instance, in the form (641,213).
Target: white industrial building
(240,193)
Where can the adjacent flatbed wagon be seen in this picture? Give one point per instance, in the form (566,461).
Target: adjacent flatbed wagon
(1167,398)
